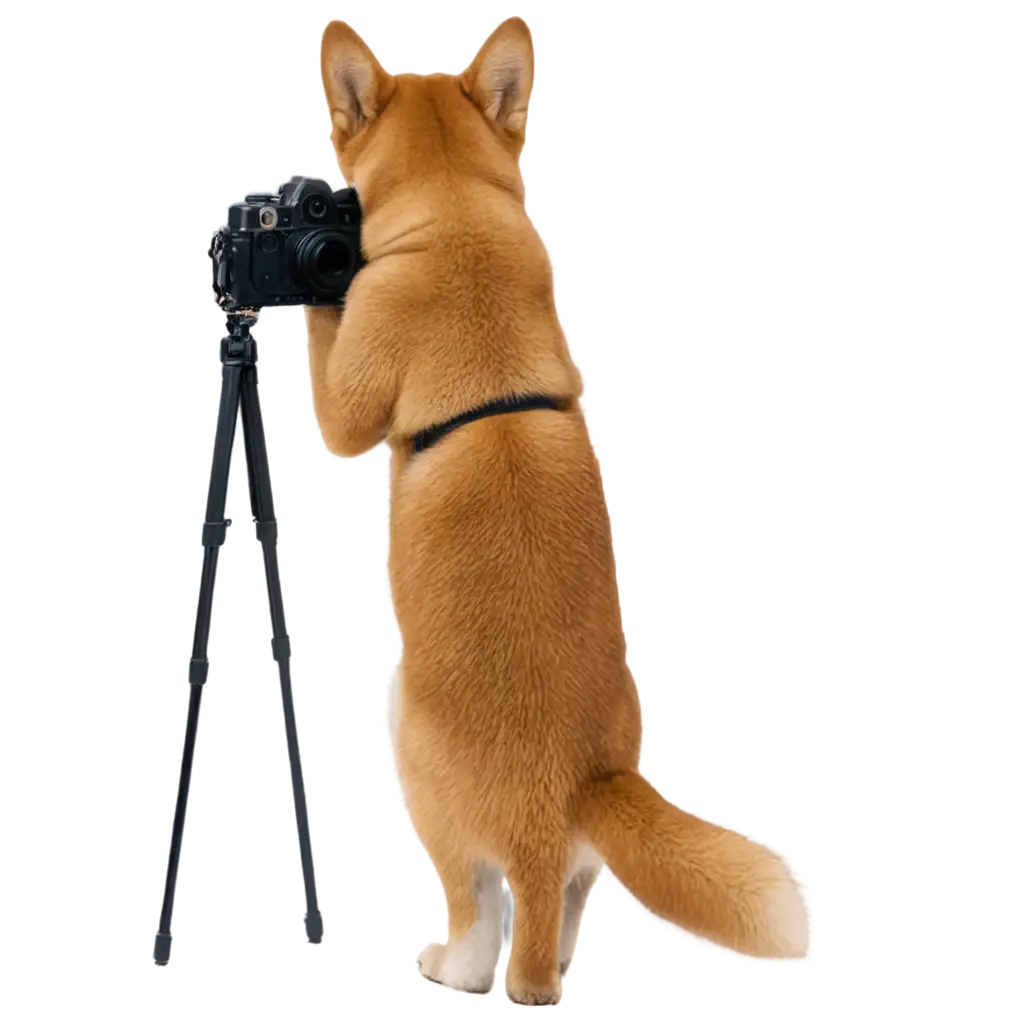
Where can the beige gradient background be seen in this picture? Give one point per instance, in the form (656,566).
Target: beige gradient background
(791,250)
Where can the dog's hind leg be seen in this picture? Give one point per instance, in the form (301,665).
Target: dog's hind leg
(533,968)
(468,959)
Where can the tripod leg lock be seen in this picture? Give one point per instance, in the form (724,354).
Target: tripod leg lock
(198,668)
(266,531)
(281,648)
(214,534)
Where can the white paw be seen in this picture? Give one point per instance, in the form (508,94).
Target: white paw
(472,964)
(429,958)
(459,968)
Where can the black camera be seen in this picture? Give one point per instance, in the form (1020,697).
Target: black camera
(297,248)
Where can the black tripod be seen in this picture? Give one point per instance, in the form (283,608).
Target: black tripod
(238,354)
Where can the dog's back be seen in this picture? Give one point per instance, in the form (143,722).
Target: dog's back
(514,679)
(514,659)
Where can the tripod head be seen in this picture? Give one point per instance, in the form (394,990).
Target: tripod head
(238,346)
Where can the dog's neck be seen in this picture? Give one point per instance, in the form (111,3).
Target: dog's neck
(398,228)
(440,213)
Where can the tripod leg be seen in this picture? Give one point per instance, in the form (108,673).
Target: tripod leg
(266,532)
(214,532)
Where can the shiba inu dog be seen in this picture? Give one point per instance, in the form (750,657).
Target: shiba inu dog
(516,722)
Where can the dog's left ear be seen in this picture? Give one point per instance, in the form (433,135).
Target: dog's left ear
(500,78)
(357,87)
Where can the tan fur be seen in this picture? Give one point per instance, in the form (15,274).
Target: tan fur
(518,725)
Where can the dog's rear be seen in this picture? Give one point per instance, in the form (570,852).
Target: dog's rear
(517,728)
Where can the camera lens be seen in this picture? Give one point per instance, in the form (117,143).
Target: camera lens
(332,259)
(325,259)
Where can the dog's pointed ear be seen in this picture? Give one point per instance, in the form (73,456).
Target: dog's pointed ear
(500,78)
(357,87)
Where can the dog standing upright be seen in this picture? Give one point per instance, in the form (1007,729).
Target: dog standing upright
(516,721)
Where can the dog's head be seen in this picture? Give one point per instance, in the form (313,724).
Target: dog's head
(390,131)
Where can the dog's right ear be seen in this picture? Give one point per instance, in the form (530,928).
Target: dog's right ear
(357,87)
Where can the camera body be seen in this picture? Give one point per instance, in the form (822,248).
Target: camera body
(299,247)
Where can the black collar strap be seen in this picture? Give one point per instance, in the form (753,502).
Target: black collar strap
(512,403)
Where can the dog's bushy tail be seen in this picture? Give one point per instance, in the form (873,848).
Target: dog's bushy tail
(706,879)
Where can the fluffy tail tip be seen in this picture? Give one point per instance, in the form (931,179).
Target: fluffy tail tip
(783,932)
